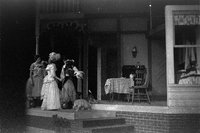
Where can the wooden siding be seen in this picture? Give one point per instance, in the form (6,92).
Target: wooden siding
(187,96)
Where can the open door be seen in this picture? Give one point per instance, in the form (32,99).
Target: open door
(103,63)
(92,70)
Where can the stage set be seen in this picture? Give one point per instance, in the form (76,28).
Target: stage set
(115,117)
(158,95)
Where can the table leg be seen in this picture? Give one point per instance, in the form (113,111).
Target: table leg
(111,96)
(138,94)
(128,97)
(133,93)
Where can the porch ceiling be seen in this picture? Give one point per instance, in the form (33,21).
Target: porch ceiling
(133,7)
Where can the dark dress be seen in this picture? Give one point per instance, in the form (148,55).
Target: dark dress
(38,73)
(68,92)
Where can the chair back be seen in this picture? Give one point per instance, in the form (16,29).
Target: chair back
(141,78)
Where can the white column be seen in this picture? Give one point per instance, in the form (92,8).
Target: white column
(169,27)
(79,81)
(37,27)
(99,74)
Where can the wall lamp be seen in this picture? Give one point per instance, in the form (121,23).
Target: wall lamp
(134,52)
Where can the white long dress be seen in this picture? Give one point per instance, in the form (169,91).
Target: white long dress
(50,91)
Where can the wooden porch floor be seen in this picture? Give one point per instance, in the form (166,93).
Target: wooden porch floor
(135,103)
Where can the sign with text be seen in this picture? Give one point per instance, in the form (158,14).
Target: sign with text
(187,19)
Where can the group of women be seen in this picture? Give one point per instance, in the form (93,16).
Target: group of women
(43,82)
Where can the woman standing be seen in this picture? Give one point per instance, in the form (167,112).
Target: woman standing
(35,81)
(68,93)
(50,90)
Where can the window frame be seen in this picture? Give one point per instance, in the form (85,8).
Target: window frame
(170,38)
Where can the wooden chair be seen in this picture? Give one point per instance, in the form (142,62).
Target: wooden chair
(140,89)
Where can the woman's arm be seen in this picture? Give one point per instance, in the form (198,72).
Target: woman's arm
(62,74)
(75,69)
(78,74)
(57,78)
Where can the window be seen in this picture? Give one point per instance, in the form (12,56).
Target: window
(186,47)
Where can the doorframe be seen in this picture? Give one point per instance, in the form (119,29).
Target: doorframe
(98,73)
(85,69)
(99,62)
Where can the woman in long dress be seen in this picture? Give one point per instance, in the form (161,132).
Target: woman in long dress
(68,71)
(35,81)
(50,91)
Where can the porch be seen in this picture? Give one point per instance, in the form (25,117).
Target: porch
(116,117)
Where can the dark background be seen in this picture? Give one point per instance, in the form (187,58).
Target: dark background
(17,49)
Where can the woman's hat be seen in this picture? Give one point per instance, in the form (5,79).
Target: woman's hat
(54,56)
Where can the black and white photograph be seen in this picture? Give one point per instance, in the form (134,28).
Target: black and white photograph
(99,66)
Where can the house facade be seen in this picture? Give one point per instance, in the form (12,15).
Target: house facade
(102,38)
(104,41)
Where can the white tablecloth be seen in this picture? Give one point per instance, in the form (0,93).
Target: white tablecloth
(118,85)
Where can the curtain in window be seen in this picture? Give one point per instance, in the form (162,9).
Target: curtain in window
(190,57)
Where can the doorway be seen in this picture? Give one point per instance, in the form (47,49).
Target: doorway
(104,65)
(92,70)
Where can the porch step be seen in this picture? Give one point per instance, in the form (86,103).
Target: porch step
(97,122)
(70,114)
(106,129)
(81,122)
